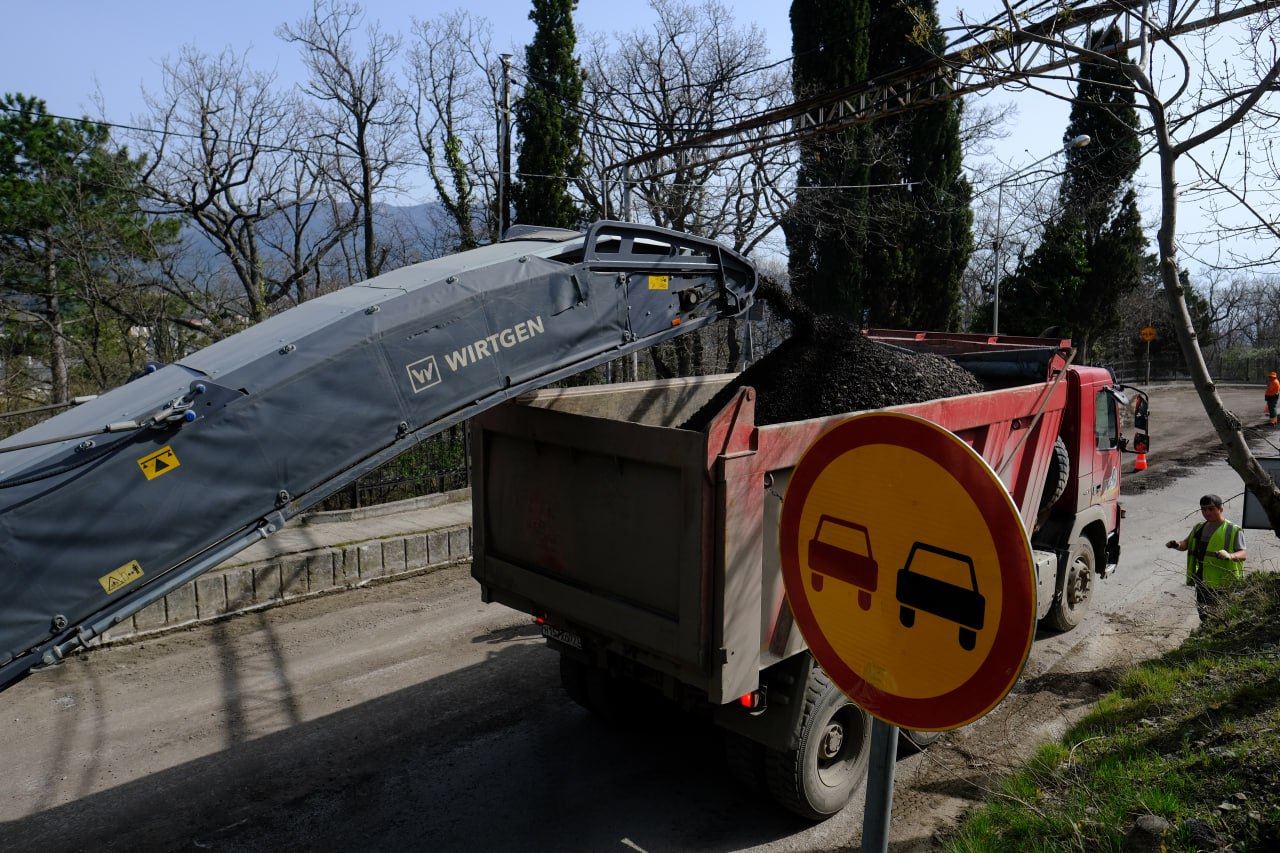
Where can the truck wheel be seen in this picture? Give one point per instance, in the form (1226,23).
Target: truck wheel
(745,759)
(820,776)
(1072,599)
(1055,480)
(913,740)
(573,678)
(597,691)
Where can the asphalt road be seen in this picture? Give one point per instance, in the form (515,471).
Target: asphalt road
(409,716)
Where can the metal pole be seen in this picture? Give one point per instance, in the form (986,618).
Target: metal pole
(995,312)
(626,194)
(504,175)
(879,808)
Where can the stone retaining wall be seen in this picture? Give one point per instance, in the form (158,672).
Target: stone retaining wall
(290,577)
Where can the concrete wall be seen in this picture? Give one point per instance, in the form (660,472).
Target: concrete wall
(284,578)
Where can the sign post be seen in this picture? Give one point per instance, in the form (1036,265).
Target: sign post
(1148,334)
(910,576)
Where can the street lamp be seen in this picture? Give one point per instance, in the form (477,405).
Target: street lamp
(1075,142)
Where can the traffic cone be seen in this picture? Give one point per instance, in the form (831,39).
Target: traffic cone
(1141,464)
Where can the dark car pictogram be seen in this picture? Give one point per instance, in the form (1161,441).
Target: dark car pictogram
(845,555)
(965,606)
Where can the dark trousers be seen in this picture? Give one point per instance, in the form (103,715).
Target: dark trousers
(1206,598)
(1271,406)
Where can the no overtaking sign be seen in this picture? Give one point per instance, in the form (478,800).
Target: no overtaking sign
(908,569)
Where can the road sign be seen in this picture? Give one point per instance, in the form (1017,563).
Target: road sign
(1148,333)
(908,570)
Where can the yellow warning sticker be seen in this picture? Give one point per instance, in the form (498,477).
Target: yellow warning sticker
(121,577)
(659,282)
(162,461)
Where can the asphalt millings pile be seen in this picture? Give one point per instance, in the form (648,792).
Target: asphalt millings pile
(828,367)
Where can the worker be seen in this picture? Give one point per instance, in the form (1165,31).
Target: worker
(1215,553)
(1272,394)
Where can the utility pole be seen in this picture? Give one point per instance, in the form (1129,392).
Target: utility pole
(504,150)
(999,263)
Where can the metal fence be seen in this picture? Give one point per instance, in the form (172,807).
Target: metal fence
(439,463)
(1171,367)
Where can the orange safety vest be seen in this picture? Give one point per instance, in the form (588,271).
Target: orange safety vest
(1273,388)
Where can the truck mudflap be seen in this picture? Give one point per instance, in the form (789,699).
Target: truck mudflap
(107,507)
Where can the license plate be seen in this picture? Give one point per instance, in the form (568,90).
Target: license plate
(562,636)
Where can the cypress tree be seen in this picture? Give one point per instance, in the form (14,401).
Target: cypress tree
(889,246)
(920,233)
(826,228)
(548,120)
(1093,253)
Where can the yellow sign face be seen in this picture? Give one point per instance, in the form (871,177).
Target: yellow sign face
(659,282)
(121,577)
(929,658)
(162,461)
(908,570)
(1148,333)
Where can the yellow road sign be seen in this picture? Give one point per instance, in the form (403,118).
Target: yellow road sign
(908,570)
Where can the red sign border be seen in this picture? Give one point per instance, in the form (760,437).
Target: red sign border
(1003,665)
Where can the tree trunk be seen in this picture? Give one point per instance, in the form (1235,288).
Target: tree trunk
(59,387)
(1225,423)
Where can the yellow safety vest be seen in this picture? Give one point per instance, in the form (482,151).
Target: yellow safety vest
(1217,572)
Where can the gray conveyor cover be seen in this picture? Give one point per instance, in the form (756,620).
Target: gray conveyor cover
(288,411)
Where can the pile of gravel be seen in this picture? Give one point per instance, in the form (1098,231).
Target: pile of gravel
(828,367)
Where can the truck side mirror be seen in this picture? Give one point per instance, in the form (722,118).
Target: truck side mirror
(1140,416)
(1141,442)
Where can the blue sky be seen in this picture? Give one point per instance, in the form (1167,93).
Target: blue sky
(65,51)
(60,50)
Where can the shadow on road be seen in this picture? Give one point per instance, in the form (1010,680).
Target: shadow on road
(438,766)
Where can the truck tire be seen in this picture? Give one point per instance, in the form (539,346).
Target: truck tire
(820,776)
(745,761)
(595,690)
(1071,600)
(608,698)
(911,741)
(1055,480)
(573,678)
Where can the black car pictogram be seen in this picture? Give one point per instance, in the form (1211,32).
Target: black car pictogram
(916,591)
(845,556)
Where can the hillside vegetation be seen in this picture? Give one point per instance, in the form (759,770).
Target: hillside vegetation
(1183,756)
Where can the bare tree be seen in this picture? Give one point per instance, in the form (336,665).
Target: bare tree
(457,85)
(363,114)
(229,153)
(1189,104)
(657,89)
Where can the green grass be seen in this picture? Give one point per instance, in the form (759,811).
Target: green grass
(1193,737)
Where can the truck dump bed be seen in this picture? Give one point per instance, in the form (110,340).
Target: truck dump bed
(658,545)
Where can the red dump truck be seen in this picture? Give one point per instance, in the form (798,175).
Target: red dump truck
(649,552)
